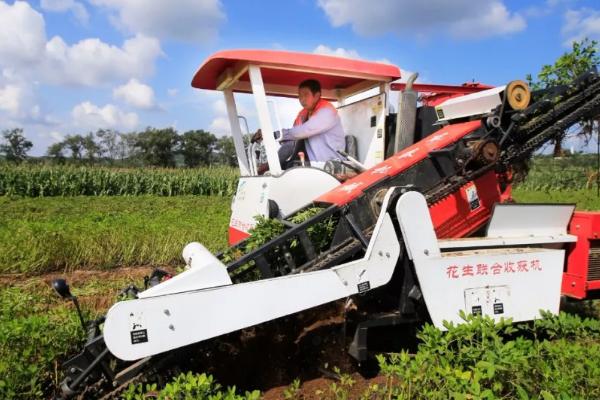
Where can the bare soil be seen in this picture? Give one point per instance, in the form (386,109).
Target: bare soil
(320,388)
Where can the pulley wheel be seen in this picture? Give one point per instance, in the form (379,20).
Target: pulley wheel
(518,95)
(488,151)
(484,151)
(377,201)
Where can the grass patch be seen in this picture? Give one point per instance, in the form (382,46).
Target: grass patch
(38,330)
(39,235)
(574,172)
(585,199)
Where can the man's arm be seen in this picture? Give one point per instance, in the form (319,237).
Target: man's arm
(321,121)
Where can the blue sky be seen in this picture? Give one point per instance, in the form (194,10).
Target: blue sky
(73,66)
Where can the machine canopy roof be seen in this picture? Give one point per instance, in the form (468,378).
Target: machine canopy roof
(282,72)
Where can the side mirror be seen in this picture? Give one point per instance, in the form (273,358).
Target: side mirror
(61,287)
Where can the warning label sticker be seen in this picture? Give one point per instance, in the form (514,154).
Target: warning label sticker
(364,286)
(472,197)
(139,336)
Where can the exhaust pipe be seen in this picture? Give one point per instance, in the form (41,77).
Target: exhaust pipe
(407,116)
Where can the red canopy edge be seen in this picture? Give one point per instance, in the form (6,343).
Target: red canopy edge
(281,69)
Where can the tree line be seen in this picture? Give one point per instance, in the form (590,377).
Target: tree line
(163,147)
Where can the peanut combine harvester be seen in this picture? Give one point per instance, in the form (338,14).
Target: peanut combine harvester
(416,217)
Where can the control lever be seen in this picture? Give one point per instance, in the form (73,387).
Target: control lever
(257,137)
(351,162)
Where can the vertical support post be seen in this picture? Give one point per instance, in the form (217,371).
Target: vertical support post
(385,88)
(260,98)
(341,100)
(236,132)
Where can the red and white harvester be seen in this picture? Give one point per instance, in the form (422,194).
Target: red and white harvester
(422,218)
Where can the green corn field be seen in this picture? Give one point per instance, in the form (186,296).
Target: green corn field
(48,181)
(576,172)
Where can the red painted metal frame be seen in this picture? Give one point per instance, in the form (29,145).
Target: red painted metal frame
(290,68)
(586,226)
(236,236)
(432,94)
(453,217)
(397,163)
(465,88)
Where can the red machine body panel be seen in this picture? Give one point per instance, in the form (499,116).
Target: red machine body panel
(397,163)
(236,236)
(468,209)
(582,273)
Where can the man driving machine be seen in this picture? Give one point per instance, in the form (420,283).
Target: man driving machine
(317,128)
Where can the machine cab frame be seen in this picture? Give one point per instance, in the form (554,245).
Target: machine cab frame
(278,73)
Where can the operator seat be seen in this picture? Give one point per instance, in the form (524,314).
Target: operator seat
(351,147)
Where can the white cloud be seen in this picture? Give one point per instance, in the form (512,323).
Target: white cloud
(580,24)
(185,20)
(245,107)
(339,52)
(91,116)
(497,20)
(135,94)
(25,50)
(346,53)
(18,103)
(91,62)
(459,18)
(22,34)
(30,61)
(220,126)
(219,107)
(75,7)
(10,99)
(220,123)
(57,136)
(542,10)
(172,92)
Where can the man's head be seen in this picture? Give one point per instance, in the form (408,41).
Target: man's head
(309,93)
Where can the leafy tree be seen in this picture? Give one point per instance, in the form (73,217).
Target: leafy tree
(197,147)
(158,146)
(582,58)
(16,147)
(55,151)
(127,146)
(75,145)
(108,140)
(92,149)
(225,150)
